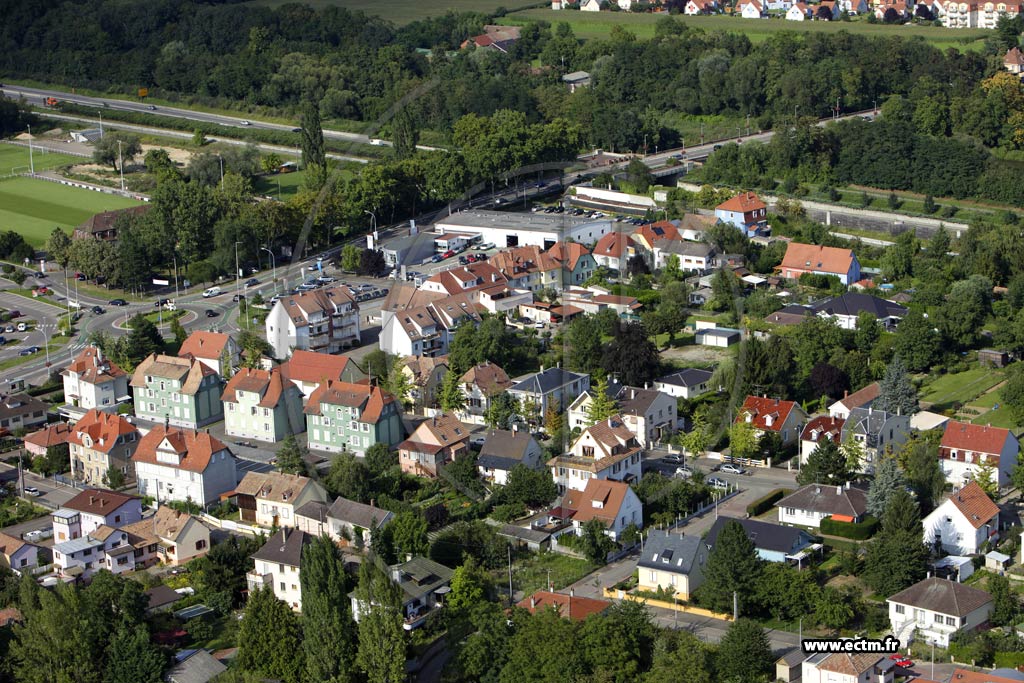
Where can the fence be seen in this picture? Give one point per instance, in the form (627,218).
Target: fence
(232,525)
(679,607)
(37,146)
(701,510)
(95,188)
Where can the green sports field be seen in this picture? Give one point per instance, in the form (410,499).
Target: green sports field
(401,12)
(15,159)
(34,207)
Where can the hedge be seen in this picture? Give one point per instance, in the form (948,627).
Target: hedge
(857,531)
(764,504)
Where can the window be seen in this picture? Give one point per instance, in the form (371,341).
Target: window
(201,544)
(939,619)
(900,609)
(790,511)
(673,579)
(117,519)
(951,621)
(283,589)
(280,568)
(654,576)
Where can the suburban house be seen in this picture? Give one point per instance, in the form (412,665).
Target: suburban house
(103,225)
(810,504)
(649,413)
(529,267)
(843,310)
(613,503)
(745,211)
(785,418)
(467,278)
(862,398)
(577,411)
(751,9)
(963,522)
(178,536)
(774,542)
(91,509)
(576,79)
(277,564)
(1014,60)
(614,250)
(648,235)
(695,7)
(425,329)
(577,262)
(479,385)
(688,383)
(262,405)
(194,666)
(568,606)
(799,12)
(216,349)
(182,391)
(436,442)
(21,411)
(183,464)
(938,608)
(876,432)
(53,438)
(848,668)
(424,584)
(270,499)
(966,447)
(672,562)
(346,417)
(819,429)
(307,370)
(606,450)
(100,442)
(425,374)
(105,547)
(92,381)
(345,521)
(549,387)
(17,554)
(816,259)
(500,38)
(691,256)
(325,320)
(505,449)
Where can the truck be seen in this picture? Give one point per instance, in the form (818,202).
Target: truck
(50,101)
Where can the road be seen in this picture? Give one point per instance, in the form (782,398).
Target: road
(54,495)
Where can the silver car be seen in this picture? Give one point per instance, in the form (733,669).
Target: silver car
(716,483)
(730,468)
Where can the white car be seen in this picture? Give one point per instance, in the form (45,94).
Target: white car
(212,291)
(32,491)
(716,483)
(729,468)
(684,472)
(485,246)
(38,535)
(22,327)
(245,123)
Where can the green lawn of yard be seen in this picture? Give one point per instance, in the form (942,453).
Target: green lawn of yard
(1000,417)
(961,387)
(15,159)
(531,574)
(34,207)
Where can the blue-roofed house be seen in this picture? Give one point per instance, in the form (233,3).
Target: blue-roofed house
(549,387)
(672,561)
(774,543)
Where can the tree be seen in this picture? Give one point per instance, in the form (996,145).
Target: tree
(270,162)
(527,487)
(536,651)
(450,397)
(269,639)
(920,460)
(1017,478)
(917,343)
(405,133)
(408,533)
(132,658)
(472,587)
(594,543)
(627,624)
(1005,606)
(329,646)
(553,421)
(56,642)
(314,155)
(786,593)
(827,464)
(888,480)
(828,380)
(742,440)
(896,393)
(639,176)
(180,335)
(58,247)
(898,260)
(601,405)
(253,348)
(732,567)
(986,477)
(379,458)
(965,310)
(745,654)
(400,385)
(501,411)
(349,477)
(632,355)
(680,657)
(381,653)
(113,478)
(929,205)
(372,263)
(107,151)
(897,558)
(350,255)
(824,13)
(290,457)
(583,338)
(866,332)
(833,609)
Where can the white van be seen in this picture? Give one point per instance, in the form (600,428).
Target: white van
(212,291)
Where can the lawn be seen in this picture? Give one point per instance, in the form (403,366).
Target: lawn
(531,574)
(406,11)
(15,159)
(961,387)
(34,207)
(599,25)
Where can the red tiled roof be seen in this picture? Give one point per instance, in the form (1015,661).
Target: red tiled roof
(98,501)
(568,253)
(745,201)
(862,397)
(310,366)
(761,409)
(817,258)
(613,245)
(568,606)
(195,449)
(103,429)
(830,427)
(977,438)
(92,367)
(1014,57)
(661,230)
(975,505)
(489,377)
(51,435)
(369,398)
(203,344)
(267,383)
(610,494)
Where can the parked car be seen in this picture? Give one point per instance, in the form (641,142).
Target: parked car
(117,302)
(22,327)
(210,313)
(730,468)
(98,310)
(9,329)
(673,459)
(464,260)
(684,472)
(212,291)
(32,491)
(478,440)
(448,254)
(39,534)
(717,483)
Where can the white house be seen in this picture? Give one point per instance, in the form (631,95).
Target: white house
(751,9)
(92,381)
(819,429)
(785,418)
(277,566)
(549,387)
(182,464)
(967,447)
(479,385)
(648,413)
(612,502)
(963,522)
(606,450)
(876,432)
(505,449)
(324,320)
(799,12)
(427,329)
(859,399)
(179,537)
(847,668)
(17,554)
(937,608)
(844,310)
(347,522)
(672,561)
(91,509)
(810,504)
(687,383)
(270,499)
(103,548)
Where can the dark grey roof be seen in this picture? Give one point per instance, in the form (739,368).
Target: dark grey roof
(284,547)
(545,382)
(506,444)
(420,576)
(529,535)
(834,500)
(636,401)
(670,552)
(687,377)
(313,509)
(853,303)
(725,332)
(793,657)
(943,596)
(497,462)
(869,422)
(20,405)
(199,667)
(774,537)
(358,514)
(161,596)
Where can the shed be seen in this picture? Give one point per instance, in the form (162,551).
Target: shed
(534,539)
(997,561)
(995,358)
(722,337)
(787,667)
(954,567)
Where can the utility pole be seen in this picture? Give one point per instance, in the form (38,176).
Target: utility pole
(510,603)
(120,164)
(273,263)
(101,125)
(238,291)
(735,606)
(222,172)
(175,276)
(31,161)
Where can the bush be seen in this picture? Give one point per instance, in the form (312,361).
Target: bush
(859,531)
(764,504)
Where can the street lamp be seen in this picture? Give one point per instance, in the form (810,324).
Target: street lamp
(273,263)
(31,161)
(120,164)
(46,343)
(221,171)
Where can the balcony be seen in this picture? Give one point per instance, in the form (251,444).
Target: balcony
(256,581)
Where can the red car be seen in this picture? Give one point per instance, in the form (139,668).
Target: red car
(901,660)
(448,254)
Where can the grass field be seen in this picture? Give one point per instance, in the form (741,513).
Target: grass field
(961,387)
(406,11)
(15,158)
(33,208)
(599,25)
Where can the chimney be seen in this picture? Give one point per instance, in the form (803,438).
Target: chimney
(847,486)
(373,502)
(408,557)
(846,393)
(515,428)
(92,500)
(839,490)
(533,602)
(572,592)
(542,369)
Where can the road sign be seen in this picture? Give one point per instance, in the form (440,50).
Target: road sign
(162,283)
(143,92)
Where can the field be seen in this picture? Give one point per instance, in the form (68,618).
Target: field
(406,11)
(960,388)
(599,25)
(16,158)
(34,207)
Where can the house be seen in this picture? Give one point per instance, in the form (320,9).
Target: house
(529,267)
(17,554)
(808,505)
(876,432)
(217,350)
(436,442)
(996,358)
(818,429)
(503,450)
(788,667)
(103,225)
(578,409)
(673,562)
(100,442)
(701,296)
(277,565)
(605,450)
(938,608)
(785,418)
(324,320)
(54,436)
(183,464)
(91,509)
(688,383)
(576,80)
(161,598)
(697,257)
(92,381)
(751,9)
(847,668)
(647,235)
(963,522)
(1014,60)
(346,417)
(104,547)
(500,38)
(745,211)
(270,499)
(845,309)
(551,387)
(262,405)
(966,447)
(194,666)
(424,329)
(773,542)
(957,14)
(179,537)
(568,606)
(182,391)
(799,12)
(307,370)
(577,262)
(425,374)
(815,259)
(21,411)
(479,385)
(345,521)
(648,413)
(590,5)
(613,503)
(695,7)
(863,398)
(989,13)
(719,337)
(463,279)
(424,584)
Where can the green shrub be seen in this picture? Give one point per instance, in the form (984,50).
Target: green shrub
(858,531)
(764,504)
